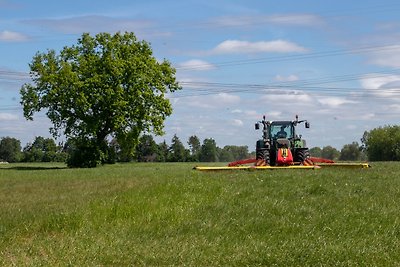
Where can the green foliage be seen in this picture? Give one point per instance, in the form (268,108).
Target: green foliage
(107,85)
(152,214)
(195,146)
(147,149)
(351,152)
(329,152)
(224,155)
(316,152)
(43,150)
(125,145)
(84,153)
(383,143)
(177,151)
(209,152)
(10,149)
(236,152)
(163,152)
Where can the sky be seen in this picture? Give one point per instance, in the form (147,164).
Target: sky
(333,63)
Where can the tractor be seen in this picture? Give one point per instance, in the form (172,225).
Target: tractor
(280,145)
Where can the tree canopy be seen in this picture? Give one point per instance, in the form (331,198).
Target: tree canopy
(330,152)
(208,151)
(104,86)
(10,149)
(147,149)
(43,150)
(178,152)
(382,143)
(195,146)
(350,152)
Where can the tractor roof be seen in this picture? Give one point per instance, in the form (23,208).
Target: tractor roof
(281,122)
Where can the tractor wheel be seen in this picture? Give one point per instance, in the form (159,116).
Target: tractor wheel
(302,155)
(263,154)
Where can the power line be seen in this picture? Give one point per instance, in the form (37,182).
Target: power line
(308,85)
(204,88)
(361,50)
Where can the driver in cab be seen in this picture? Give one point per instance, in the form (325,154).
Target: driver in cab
(282,133)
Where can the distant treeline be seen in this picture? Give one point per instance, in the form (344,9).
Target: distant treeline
(379,144)
(46,150)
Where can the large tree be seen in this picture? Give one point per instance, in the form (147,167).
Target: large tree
(104,86)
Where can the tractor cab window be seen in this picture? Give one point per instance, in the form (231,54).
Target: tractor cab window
(281,131)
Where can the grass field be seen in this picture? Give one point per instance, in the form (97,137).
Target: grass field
(170,215)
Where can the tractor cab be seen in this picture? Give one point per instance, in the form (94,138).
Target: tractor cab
(281,129)
(280,145)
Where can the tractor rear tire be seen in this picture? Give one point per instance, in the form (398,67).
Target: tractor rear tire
(302,155)
(263,154)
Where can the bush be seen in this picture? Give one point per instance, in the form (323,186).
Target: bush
(84,154)
(383,143)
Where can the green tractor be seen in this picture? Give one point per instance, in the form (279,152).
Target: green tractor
(280,145)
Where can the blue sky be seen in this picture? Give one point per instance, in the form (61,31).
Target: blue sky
(335,64)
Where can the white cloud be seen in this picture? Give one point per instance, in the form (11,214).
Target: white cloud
(296,19)
(218,101)
(8,117)
(98,23)
(9,36)
(197,102)
(225,98)
(290,78)
(367,116)
(286,96)
(382,85)
(196,64)
(335,101)
(351,127)
(388,56)
(188,82)
(274,115)
(306,20)
(394,108)
(240,47)
(237,122)
(252,114)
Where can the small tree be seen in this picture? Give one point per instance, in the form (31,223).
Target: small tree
(382,143)
(238,152)
(147,149)
(330,152)
(10,149)
(316,152)
(208,151)
(194,144)
(350,152)
(178,152)
(163,152)
(225,155)
(43,150)
(107,86)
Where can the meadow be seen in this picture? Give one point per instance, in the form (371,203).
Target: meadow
(166,214)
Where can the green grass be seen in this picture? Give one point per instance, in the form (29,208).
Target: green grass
(169,214)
